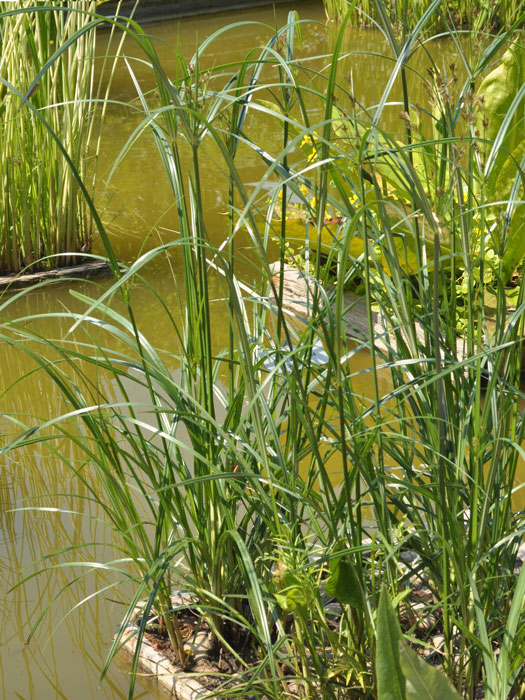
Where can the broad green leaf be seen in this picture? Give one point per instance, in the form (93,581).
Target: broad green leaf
(500,183)
(294,593)
(499,90)
(391,682)
(500,123)
(423,681)
(507,185)
(292,598)
(343,583)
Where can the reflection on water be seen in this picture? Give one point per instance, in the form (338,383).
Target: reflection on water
(138,200)
(64,657)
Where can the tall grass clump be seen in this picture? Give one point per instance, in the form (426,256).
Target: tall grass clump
(477,16)
(218,480)
(48,92)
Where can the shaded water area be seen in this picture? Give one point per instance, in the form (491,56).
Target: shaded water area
(64,658)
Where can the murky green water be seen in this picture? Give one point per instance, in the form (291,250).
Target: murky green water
(138,210)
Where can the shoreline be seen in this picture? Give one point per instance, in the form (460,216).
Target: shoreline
(158,10)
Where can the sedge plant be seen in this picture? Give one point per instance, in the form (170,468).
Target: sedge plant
(47,73)
(217,481)
(449,432)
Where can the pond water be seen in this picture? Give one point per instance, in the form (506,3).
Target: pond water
(64,658)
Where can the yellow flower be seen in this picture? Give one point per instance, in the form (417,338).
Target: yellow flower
(304,190)
(313,202)
(309,139)
(280,195)
(312,156)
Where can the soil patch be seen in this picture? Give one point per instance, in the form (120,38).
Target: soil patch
(212,668)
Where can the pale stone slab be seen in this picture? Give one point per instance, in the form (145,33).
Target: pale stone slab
(298,296)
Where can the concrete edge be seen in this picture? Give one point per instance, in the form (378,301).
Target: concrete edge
(177,684)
